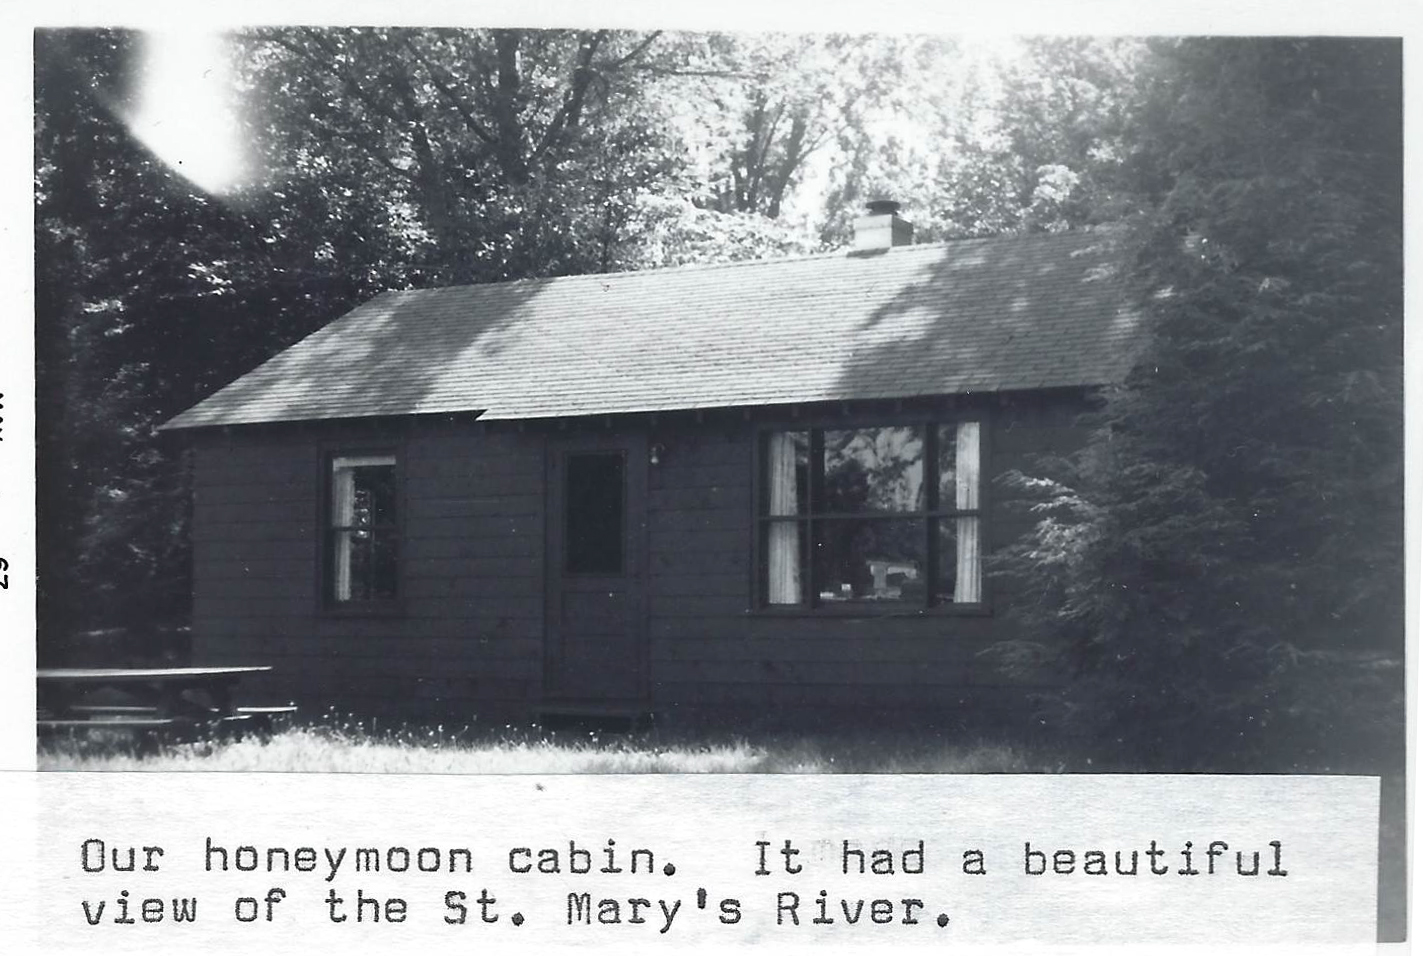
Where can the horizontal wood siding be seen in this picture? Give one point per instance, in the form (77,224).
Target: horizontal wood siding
(468,636)
(713,650)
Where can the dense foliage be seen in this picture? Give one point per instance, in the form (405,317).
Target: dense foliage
(1228,548)
(149,295)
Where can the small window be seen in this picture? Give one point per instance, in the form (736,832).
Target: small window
(362,532)
(884,516)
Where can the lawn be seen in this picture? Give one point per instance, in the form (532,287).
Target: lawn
(348,746)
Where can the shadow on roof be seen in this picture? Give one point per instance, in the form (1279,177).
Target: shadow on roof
(970,316)
(1030,311)
(404,344)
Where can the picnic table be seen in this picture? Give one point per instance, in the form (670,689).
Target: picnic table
(147,698)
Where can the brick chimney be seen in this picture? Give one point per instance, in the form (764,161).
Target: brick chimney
(881,227)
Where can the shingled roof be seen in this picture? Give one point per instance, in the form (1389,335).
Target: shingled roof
(973,315)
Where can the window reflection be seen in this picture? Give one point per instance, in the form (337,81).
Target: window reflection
(363,541)
(874,469)
(878,560)
(862,516)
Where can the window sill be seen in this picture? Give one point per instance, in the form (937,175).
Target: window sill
(862,611)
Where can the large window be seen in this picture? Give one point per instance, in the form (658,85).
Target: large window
(884,516)
(361,535)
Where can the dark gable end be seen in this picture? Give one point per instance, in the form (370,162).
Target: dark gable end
(975,315)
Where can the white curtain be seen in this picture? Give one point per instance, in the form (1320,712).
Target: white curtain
(968,582)
(783,557)
(343,502)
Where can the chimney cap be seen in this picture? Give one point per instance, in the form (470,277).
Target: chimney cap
(882,227)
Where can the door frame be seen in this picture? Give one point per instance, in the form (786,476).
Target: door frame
(557,449)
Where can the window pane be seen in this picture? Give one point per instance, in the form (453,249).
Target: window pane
(375,495)
(382,565)
(783,551)
(341,565)
(364,565)
(787,473)
(363,523)
(874,469)
(960,561)
(874,560)
(361,569)
(343,497)
(959,466)
(593,506)
(372,477)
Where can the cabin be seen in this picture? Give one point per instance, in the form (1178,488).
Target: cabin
(756,491)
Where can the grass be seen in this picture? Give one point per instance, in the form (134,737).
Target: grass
(346,746)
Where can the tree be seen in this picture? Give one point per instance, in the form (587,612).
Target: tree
(982,139)
(1039,140)
(800,95)
(499,153)
(150,295)
(1235,521)
(387,158)
(64,161)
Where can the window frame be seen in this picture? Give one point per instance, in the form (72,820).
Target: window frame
(932,515)
(326,535)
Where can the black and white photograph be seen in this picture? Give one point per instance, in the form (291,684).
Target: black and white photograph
(460,400)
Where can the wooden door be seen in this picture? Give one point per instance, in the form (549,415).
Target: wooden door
(594,649)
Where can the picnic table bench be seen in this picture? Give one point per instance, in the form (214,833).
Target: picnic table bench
(147,699)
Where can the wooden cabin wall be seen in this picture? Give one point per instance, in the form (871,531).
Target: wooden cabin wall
(714,654)
(468,638)
(468,634)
